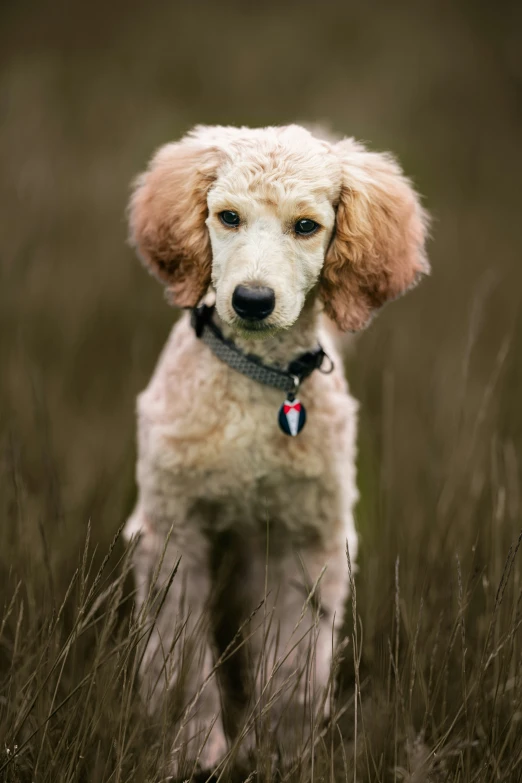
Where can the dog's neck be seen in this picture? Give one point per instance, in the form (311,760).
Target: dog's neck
(284,346)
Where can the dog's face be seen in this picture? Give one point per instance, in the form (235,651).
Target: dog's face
(270,226)
(269,216)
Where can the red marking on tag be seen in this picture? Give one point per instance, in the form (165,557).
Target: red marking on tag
(296,406)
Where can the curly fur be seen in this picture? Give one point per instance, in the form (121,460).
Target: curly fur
(211,458)
(377,251)
(167,216)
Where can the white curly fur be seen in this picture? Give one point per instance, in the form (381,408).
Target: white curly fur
(211,457)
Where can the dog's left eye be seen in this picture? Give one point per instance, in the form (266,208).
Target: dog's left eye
(229,218)
(305,226)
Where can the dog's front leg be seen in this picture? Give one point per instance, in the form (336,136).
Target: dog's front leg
(293,641)
(176,670)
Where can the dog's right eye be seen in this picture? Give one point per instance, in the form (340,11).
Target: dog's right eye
(229,218)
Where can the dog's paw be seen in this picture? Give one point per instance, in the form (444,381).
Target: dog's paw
(214,749)
(199,747)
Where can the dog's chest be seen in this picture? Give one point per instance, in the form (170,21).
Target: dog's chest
(234,433)
(207,432)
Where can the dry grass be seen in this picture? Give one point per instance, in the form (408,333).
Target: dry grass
(430,681)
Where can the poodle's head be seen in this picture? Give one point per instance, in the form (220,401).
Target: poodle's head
(273,216)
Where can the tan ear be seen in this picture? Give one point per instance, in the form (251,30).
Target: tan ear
(377,249)
(167,214)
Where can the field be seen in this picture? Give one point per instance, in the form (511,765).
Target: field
(430,680)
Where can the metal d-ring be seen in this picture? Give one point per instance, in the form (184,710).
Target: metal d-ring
(330,368)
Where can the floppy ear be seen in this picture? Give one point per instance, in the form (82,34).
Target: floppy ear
(377,248)
(167,214)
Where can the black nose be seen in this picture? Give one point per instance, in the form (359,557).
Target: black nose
(253,302)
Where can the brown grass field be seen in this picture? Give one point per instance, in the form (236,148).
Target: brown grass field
(430,681)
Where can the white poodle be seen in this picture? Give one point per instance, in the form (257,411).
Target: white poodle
(277,226)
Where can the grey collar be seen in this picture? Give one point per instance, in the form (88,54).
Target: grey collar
(287,380)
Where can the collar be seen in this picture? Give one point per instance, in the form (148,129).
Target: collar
(287,380)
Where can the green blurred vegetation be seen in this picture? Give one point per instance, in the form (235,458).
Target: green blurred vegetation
(87,92)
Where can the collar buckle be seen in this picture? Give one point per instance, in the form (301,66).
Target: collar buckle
(305,364)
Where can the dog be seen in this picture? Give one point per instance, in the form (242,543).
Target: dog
(247,427)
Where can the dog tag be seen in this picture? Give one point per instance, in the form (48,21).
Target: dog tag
(292,416)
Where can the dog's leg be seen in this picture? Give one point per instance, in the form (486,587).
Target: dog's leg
(294,639)
(176,670)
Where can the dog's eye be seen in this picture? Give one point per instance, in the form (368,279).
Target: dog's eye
(229,218)
(306,226)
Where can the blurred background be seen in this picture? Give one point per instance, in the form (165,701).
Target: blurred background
(88,91)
